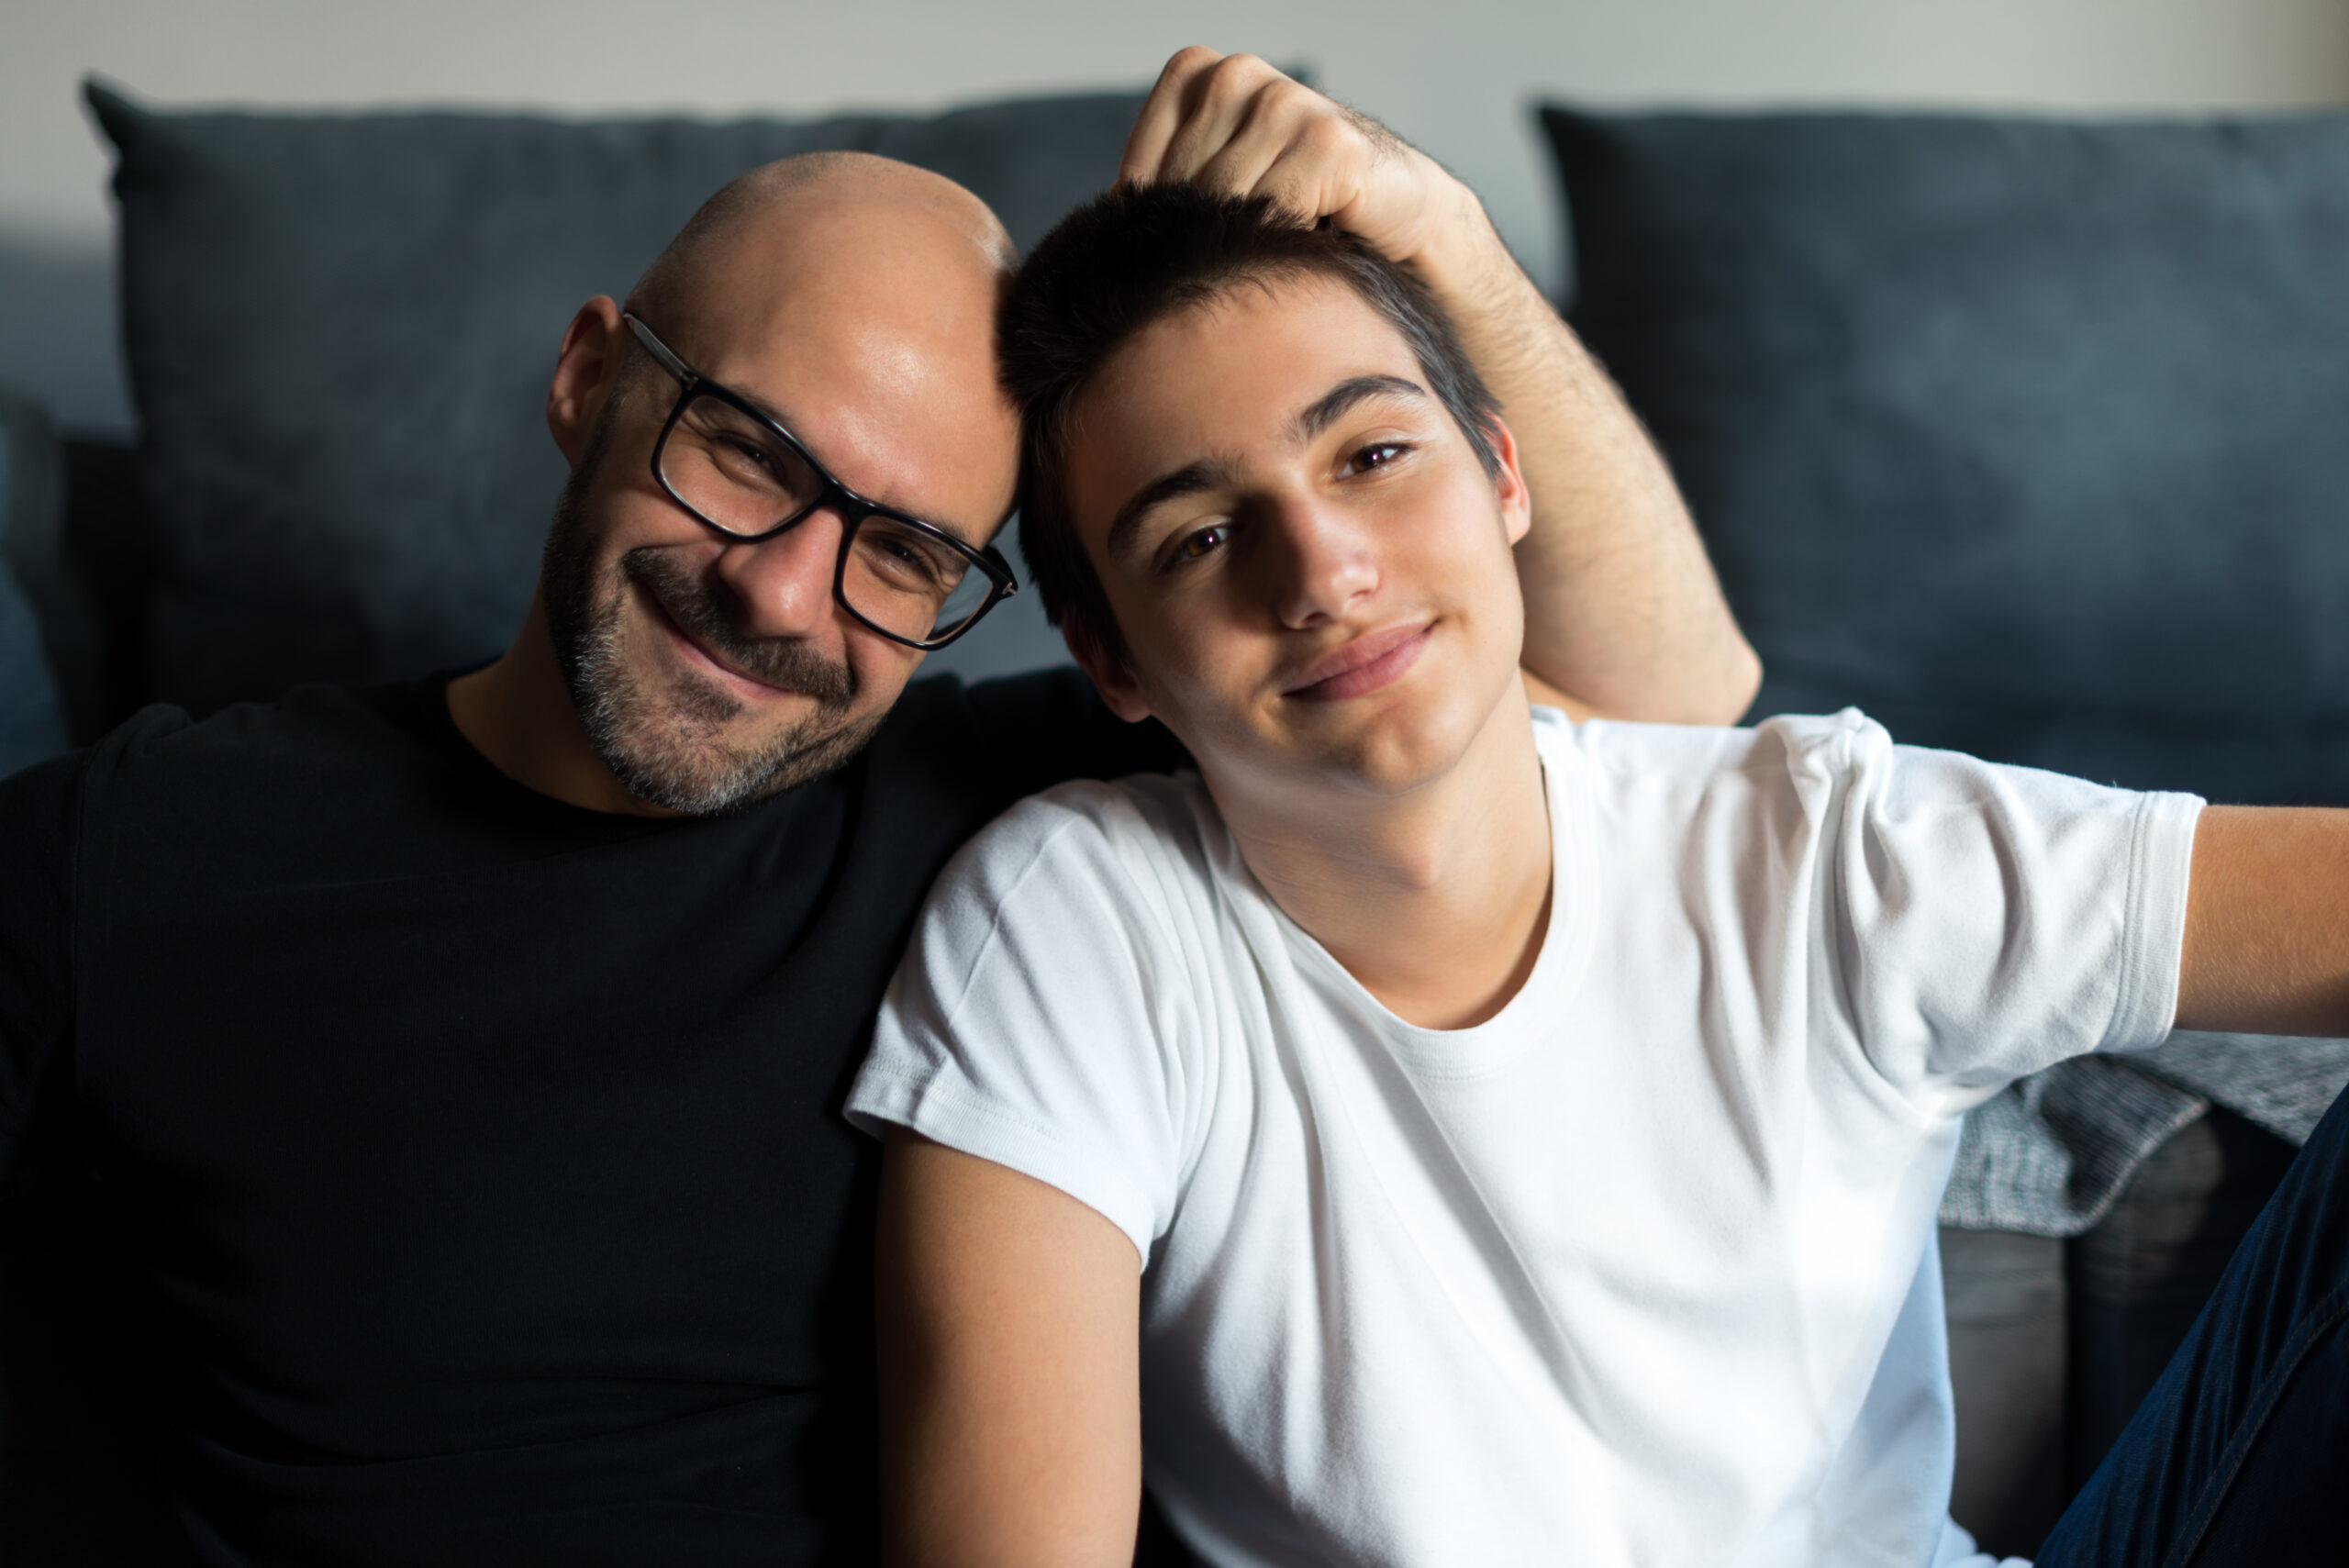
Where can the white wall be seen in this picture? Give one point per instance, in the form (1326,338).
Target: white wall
(1455,77)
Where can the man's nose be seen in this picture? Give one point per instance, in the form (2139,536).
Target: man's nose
(784,585)
(1323,562)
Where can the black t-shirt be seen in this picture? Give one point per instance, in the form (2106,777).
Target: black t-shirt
(481,1156)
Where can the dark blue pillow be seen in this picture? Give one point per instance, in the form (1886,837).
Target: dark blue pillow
(32,722)
(339,331)
(2029,437)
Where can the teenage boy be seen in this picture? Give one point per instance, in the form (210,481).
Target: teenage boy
(1438,1133)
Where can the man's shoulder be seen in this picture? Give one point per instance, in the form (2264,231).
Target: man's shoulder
(1009,736)
(308,728)
(320,758)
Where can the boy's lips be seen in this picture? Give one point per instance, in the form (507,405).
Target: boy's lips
(1374,659)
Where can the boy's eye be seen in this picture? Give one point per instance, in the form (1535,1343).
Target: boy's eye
(1376,455)
(1200,543)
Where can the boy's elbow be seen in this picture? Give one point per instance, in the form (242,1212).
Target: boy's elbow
(1740,681)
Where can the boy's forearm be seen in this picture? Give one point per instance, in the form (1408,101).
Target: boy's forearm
(1623,612)
(2266,948)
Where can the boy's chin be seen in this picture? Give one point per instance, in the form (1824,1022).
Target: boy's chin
(1391,756)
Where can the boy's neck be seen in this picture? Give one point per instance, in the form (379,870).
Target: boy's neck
(1437,902)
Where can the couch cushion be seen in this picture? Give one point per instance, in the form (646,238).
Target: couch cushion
(32,722)
(2026,435)
(339,331)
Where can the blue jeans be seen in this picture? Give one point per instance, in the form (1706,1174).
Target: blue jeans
(2241,1452)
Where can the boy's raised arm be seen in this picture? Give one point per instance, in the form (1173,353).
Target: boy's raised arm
(1009,1384)
(1623,614)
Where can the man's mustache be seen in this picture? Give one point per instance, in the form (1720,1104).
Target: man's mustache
(786,661)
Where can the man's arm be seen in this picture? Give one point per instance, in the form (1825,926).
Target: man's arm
(1010,1404)
(2267,923)
(1623,614)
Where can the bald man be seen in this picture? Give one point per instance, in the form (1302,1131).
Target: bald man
(454,1067)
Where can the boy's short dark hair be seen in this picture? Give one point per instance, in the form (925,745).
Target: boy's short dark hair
(1130,259)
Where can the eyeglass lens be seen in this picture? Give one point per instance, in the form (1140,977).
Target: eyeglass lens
(730,469)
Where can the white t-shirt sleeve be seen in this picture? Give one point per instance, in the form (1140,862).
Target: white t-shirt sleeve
(1985,921)
(1030,1022)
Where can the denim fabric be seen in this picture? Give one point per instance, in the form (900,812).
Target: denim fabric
(2240,1453)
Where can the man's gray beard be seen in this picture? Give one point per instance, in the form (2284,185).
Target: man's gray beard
(664,746)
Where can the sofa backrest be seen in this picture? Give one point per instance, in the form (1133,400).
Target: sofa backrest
(2031,438)
(32,713)
(339,330)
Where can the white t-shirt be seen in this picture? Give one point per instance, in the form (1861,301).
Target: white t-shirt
(1637,1273)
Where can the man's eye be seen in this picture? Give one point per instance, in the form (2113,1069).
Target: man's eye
(1376,455)
(746,455)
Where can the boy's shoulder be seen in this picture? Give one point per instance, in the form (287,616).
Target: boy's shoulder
(1798,764)
(1797,743)
(1153,835)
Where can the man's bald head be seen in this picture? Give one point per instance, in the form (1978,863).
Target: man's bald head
(832,192)
(859,295)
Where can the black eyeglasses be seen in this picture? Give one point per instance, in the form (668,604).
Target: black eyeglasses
(737,471)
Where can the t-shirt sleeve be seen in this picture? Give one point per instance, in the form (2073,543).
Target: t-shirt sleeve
(1034,1020)
(39,818)
(1984,921)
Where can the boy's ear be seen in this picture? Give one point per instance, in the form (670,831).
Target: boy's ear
(1121,693)
(1517,502)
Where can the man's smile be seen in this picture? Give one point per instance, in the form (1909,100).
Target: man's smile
(755,670)
(696,652)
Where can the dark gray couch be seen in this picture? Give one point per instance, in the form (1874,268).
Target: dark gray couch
(2023,437)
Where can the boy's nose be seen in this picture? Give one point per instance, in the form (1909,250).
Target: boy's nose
(1327,564)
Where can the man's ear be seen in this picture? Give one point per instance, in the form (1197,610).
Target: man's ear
(1121,693)
(1516,502)
(585,370)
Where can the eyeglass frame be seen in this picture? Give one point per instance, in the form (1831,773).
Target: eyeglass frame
(853,509)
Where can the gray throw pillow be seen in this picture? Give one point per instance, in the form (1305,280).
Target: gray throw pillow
(2031,438)
(339,330)
(32,722)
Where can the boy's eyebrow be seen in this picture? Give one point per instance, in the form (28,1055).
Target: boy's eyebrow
(1331,406)
(1189,480)
(1209,472)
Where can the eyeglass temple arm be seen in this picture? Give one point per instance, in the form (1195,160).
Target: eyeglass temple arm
(659,349)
